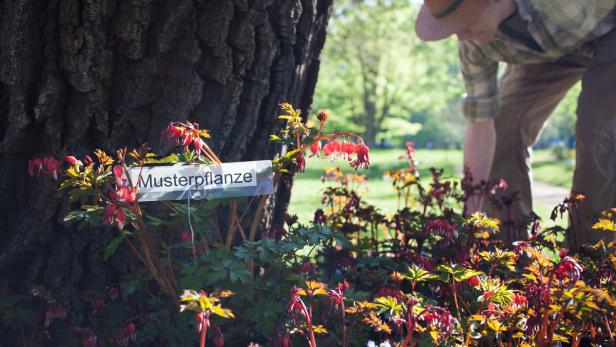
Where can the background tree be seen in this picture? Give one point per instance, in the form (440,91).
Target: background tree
(378,78)
(377,73)
(76,75)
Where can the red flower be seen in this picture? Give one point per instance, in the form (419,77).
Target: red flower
(473,281)
(330,148)
(120,218)
(172,134)
(219,339)
(125,194)
(201,320)
(487,295)
(363,157)
(568,268)
(73,161)
(348,149)
(185,236)
(111,213)
(118,173)
(108,213)
(518,301)
(52,166)
(442,227)
(184,134)
(300,162)
(438,319)
(492,307)
(315,148)
(296,306)
(46,166)
(35,167)
(337,295)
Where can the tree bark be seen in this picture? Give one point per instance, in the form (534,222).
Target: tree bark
(76,75)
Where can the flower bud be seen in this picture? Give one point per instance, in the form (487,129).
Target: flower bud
(322,116)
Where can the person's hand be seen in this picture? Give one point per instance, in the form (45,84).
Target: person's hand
(479,145)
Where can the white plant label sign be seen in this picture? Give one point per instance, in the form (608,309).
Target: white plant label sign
(216,181)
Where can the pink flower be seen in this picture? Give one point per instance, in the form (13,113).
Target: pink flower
(201,320)
(438,319)
(185,236)
(363,157)
(568,268)
(442,227)
(73,161)
(118,173)
(518,301)
(125,194)
(296,306)
(120,218)
(52,166)
(330,148)
(348,148)
(46,166)
(108,213)
(35,167)
(492,307)
(315,148)
(219,339)
(184,134)
(172,134)
(337,295)
(113,213)
(300,162)
(198,143)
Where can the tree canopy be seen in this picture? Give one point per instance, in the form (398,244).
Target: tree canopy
(379,79)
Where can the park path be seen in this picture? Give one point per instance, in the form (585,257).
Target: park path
(548,194)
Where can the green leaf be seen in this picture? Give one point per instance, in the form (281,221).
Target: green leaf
(113,245)
(74,215)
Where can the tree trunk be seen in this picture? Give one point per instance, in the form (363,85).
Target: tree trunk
(76,75)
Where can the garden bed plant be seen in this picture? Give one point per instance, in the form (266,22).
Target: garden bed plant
(427,275)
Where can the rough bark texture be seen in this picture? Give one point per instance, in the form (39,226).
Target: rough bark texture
(82,74)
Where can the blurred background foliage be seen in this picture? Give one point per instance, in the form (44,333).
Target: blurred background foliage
(377,78)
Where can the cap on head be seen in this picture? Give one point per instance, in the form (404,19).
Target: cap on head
(439,19)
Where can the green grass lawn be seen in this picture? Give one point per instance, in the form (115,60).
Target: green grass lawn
(308,188)
(547,169)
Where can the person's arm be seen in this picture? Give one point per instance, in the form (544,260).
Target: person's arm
(479,144)
(480,105)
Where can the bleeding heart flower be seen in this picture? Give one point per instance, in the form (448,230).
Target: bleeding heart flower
(35,166)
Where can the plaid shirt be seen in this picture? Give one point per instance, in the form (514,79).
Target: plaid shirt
(559,27)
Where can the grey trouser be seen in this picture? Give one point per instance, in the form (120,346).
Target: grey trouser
(529,94)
